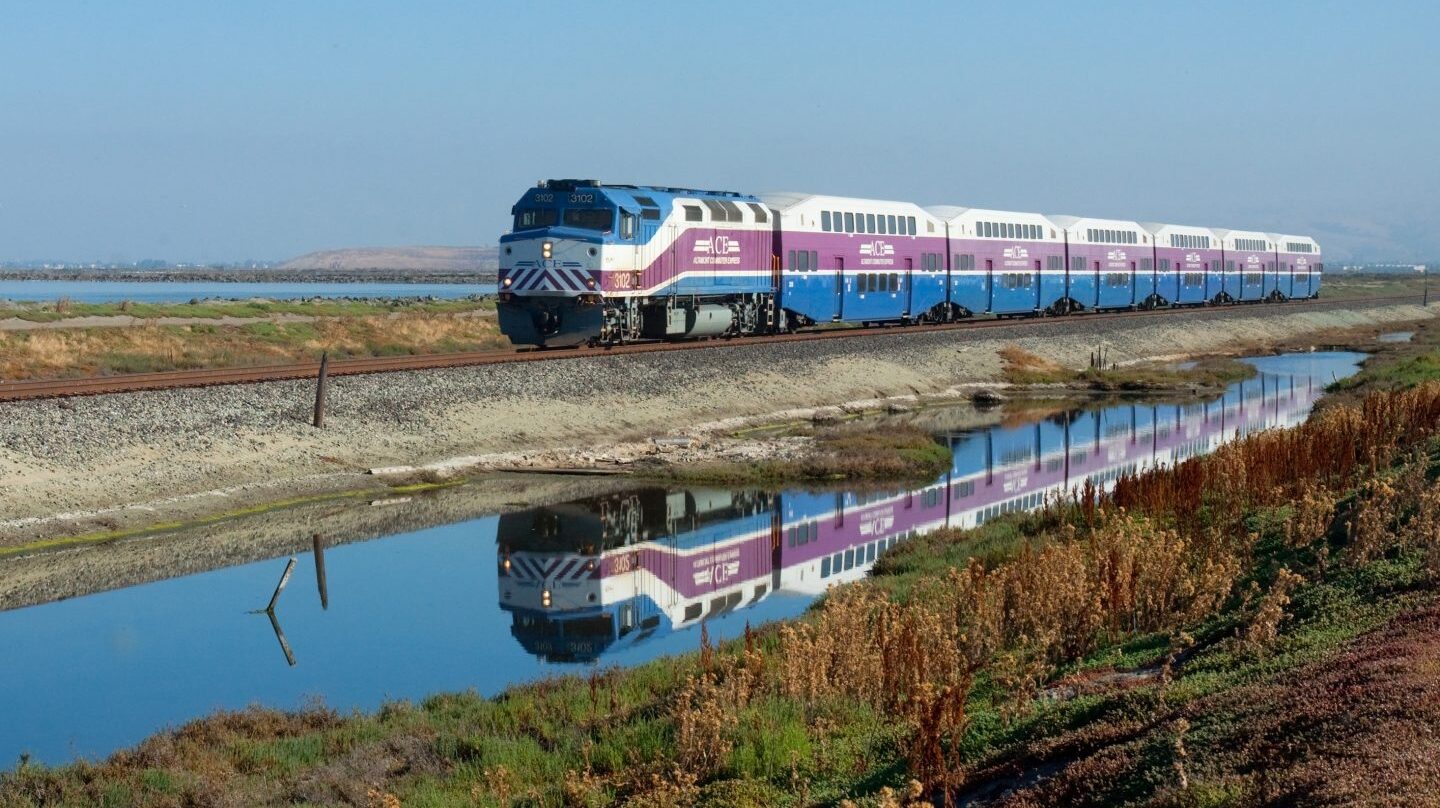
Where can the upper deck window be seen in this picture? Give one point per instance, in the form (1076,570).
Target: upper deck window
(601,219)
(532,218)
(760,215)
(694,214)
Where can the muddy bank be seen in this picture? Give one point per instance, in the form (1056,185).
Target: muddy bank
(95,464)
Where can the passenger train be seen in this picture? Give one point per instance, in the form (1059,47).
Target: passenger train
(599,575)
(591,263)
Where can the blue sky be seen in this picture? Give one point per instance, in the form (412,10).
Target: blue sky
(222,131)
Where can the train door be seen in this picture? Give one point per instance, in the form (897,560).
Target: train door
(907,286)
(1134,285)
(1035,298)
(666,263)
(839,287)
(1096,280)
(989,284)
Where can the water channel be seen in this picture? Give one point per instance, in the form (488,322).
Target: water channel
(183,291)
(607,580)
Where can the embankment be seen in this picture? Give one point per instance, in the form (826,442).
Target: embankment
(104,463)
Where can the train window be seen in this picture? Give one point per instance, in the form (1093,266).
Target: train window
(850,559)
(760,215)
(627,224)
(1146,265)
(825,567)
(536,217)
(814,259)
(1055,263)
(825,220)
(693,214)
(870,552)
(893,225)
(650,214)
(717,213)
(646,201)
(790,263)
(849,222)
(869,223)
(882,225)
(911,221)
(691,612)
(1229,266)
(601,219)
(1077,263)
(732,210)
(894,282)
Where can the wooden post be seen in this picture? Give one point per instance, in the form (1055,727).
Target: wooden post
(319,546)
(320,390)
(284,643)
(280,587)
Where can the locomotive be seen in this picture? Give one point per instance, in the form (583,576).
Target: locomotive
(592,263)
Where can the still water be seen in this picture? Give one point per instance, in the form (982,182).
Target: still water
(609,580)
(182,291)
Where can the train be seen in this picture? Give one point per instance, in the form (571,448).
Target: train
(589,263)
(591,578)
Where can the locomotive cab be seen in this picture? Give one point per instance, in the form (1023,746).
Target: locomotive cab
(550,264)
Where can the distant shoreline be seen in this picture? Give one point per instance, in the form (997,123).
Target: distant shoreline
(252,275)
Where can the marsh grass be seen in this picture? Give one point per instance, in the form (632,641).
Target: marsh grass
(1024,368)
(1150,647)
(64,353)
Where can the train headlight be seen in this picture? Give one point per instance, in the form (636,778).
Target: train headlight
(509,281)
(546,250)
(545,598)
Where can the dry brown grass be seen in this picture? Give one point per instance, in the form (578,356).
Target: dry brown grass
(146,348)
(1023,367)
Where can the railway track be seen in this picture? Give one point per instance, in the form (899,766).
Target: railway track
(132,382)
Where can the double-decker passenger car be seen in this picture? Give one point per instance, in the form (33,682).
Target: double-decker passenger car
(591,263)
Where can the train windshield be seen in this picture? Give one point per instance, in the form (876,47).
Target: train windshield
(532,218)
(602,219)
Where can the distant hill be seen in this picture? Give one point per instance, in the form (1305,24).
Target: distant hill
(390,259)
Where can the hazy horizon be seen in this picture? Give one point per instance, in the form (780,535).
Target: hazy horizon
(269,130)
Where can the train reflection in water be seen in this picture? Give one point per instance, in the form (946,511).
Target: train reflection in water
(601,574)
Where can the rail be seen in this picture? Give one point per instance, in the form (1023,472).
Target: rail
(207,377)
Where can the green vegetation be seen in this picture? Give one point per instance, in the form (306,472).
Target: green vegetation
(1394,365)
(1024,368)
(891,453)
(1359,286)
(1256,625)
